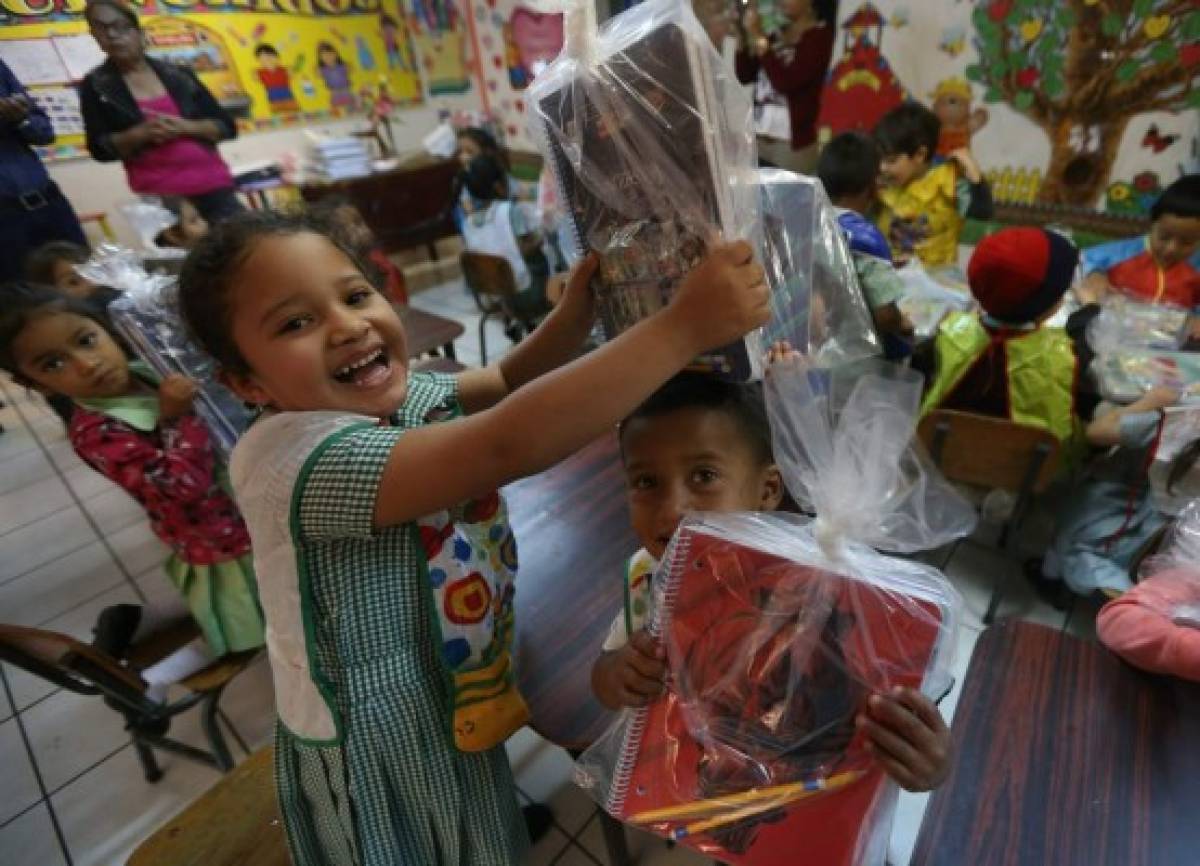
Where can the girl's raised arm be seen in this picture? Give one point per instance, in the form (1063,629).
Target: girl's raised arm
(547,419)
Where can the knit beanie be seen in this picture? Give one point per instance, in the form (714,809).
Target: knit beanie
(1020,274)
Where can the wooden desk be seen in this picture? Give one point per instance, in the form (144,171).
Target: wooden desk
(1066,756)
(428,331)
(405,207)
(573,537)
(236,823)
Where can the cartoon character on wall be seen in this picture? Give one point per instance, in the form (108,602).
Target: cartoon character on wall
(276,80)
(518,74)
(396,44)
(952,104)
(336,75)
(861,86)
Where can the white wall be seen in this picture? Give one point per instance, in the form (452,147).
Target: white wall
(93,186)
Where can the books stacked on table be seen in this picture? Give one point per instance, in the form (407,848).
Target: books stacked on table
(338,157)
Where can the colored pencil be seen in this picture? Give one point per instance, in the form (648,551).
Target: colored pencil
(703,807)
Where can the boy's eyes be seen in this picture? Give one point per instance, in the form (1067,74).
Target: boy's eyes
(294,323)
(52,365)
(359,296)
(89,339)
(641,482)
(705,475)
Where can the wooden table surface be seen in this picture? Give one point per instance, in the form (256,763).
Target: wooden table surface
(573,536)
(235,823)
(1066,756)
(427,331)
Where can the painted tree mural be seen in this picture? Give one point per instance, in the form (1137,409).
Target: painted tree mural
(1081,70)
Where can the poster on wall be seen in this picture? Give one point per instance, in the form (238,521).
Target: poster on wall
(437,30)
(514,44)
(270,63)
(1070,103)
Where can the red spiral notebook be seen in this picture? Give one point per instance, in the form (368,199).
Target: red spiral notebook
(771,661)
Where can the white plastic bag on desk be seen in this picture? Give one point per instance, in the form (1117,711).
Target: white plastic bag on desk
(778,629)
(147,316)
(1181,548)
(927,300)
(649,136)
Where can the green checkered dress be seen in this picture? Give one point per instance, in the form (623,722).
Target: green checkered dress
(374,777)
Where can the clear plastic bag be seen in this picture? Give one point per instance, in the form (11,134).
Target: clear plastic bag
(817,305)
(1136,348)
(649,136)
(1174,472)
(147,316)
(777,630)
(148,218)
(927,299)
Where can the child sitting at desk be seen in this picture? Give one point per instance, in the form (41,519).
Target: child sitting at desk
(500,227)
(849,171)
(53,264)
(923,204)
(1109,516)
(1160,267)
(189,226)
(1004,362)
(704,444)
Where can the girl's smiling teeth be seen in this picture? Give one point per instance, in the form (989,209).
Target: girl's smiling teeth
(369,370)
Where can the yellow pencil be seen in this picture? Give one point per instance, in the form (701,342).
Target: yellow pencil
(754,795)
(757,808)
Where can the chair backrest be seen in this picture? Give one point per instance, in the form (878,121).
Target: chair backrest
(990,452)
(68,663)
(486,274)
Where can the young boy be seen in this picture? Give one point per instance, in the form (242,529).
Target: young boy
(1002,362)
(189,226)
(1160,267)
(923,204)
(703,444)
(53,264)
(849,171)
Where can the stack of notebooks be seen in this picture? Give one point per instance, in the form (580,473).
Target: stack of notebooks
(338,158)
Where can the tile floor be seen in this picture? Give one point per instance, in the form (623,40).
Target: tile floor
(71,543)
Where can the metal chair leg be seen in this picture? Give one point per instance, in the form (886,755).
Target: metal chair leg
(149,763)
(212,731)
(483,339)
(615,840)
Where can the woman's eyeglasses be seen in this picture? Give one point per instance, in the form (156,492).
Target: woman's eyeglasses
(117,28)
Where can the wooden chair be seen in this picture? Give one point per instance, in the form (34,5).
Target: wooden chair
(995,454)
(492,284)
(86,670)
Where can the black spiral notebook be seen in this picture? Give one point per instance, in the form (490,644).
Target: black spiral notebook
(634,143)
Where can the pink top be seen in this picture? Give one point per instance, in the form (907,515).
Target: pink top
(184,166)
(1154,625)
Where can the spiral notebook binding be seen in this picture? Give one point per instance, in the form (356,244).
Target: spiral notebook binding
(669,573)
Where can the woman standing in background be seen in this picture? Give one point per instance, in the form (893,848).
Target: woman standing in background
(156,118)
(793,62)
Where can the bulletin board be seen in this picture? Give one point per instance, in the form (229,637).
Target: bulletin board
(513,44)
(1090,104)
(270,63)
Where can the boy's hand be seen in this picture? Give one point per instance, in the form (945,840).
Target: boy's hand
(906,734)
(577,305)
(1094,288)
(723,298)
(1159,398)
(631,676)
(970,168)
(175,396)
(781,351)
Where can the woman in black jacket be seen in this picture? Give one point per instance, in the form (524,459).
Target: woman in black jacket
(157,118)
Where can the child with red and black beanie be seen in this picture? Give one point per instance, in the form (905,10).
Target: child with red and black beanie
(1004,361)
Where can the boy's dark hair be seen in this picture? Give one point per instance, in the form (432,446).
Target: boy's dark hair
(743,402)
(906,129)
(485,177)
(265,48)
(1181,199)
(848,165)
(21,303)
(209,269)
(39,264)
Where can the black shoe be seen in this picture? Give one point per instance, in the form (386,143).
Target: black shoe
(538,820)
(1054,592)
(115,628)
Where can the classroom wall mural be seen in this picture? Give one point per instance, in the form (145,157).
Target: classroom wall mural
(1077,103)
(513,43)
(270,63)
